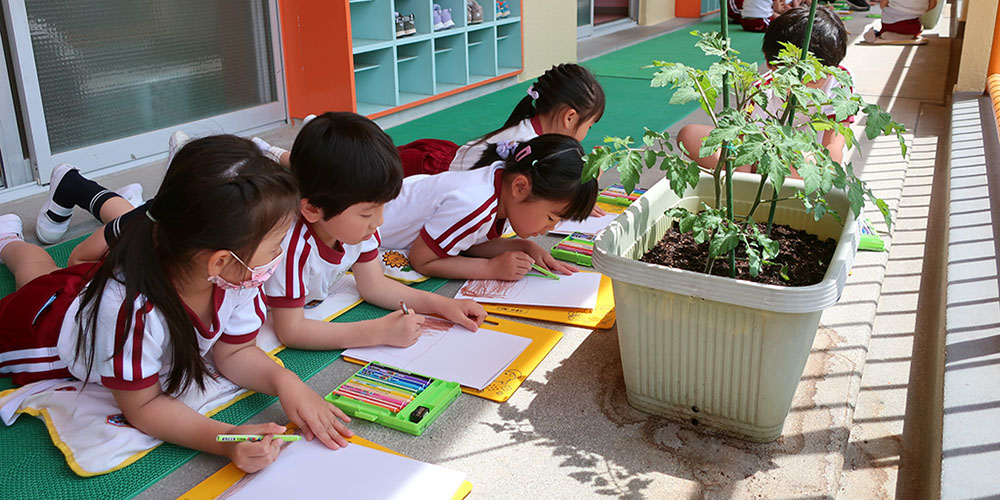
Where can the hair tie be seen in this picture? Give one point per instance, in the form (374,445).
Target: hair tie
(150,216)
(522,153)
(505,148)
(533,93)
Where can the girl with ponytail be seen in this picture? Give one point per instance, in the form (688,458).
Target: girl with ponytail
(566,100)
(451,222)
(180,283)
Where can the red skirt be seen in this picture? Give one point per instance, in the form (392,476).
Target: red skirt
(427,156)
(30,321)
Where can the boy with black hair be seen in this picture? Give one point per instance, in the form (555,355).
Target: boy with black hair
(828,44)
(347,169)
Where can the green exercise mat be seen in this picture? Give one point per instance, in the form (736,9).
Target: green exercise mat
(32,467)
(676,46)
(631,102)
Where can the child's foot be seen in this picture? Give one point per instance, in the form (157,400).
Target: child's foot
(132,193)
(871,35)
(177,140)
(272,152)
(10,230)
(69,189)
(53,218)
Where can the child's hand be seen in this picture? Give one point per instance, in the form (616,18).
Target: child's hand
(546,260)
(511,265)
(885,3)
(252,456)
(597,211)
(315,416)
(400,330)
(464,312)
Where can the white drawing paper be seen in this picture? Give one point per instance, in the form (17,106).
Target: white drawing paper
(590,225)
(308,469)
(449,352)
(576,291)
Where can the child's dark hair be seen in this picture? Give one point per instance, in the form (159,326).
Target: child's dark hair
(562,86)
(829,36)
(554,164)
(341,159)
(219,193)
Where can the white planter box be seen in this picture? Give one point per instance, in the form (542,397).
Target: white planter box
(719,353)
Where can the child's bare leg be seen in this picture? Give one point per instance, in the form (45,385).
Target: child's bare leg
(26,261)
(691,137)
(114,208)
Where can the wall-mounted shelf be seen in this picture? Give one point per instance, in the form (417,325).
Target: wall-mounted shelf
(346,55)
(430,63)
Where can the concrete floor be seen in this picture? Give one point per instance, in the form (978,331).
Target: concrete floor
(569,432)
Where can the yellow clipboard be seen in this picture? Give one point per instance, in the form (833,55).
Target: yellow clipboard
(218,483)
(601,316)
(542,341)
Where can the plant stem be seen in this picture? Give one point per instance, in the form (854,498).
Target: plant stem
(717,174)
(708,105)
(770,213)
(790,106)
(724,20)
(756,198)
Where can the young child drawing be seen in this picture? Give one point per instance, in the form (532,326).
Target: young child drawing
(179,285)
(452,221)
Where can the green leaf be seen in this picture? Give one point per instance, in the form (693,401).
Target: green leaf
(684,95)
(723,241)
(753,259)
(650,158)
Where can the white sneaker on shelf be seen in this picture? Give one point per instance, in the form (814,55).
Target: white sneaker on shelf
(47,230)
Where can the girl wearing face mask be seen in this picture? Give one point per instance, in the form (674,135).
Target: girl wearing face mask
(179,284)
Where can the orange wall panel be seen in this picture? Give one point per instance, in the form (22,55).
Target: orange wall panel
(319,67)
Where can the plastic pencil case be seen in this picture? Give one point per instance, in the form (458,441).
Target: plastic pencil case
(615,195)
(561,251)
(436,397)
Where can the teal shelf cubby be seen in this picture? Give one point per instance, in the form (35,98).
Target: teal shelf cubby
(392,71)
(451,65)
(509,47)
(375,80)
(482,46)
(415,70)
(371,23)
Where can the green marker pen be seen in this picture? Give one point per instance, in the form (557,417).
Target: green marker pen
(236,438)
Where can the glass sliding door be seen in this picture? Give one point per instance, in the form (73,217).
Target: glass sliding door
(106,82)
(584,18)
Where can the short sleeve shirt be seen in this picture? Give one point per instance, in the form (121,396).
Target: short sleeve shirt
(145,356)
(450,211)
(311,268)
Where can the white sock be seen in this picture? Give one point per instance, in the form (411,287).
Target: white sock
(272,152)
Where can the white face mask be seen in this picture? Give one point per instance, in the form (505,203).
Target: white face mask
(258,275)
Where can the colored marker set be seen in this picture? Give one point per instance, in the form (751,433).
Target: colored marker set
(577,248)
(616,195)
(394,398)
